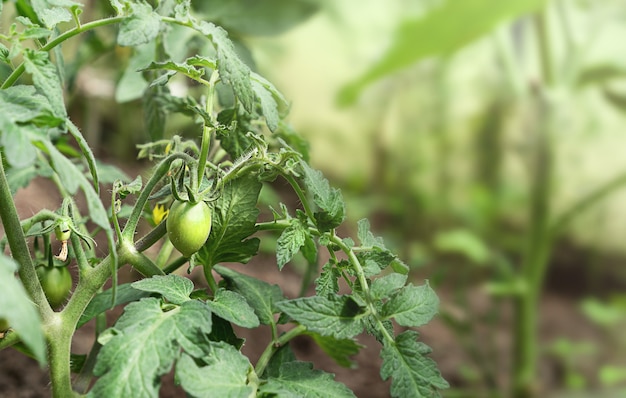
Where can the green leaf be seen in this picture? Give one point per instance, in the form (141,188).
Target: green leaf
(374,261)
(260,295)
(87,153)
(268,17)
(18,309)
(173,288)
(338,349)
(412,305)
(72,179)
(284,354)
(141,27)
(366,237)
(232,70)
(18,149)
(46,79)
(328,199)
(290,241)
(67,171)
(299,379)
(234,220)
(144,344)
(132,84)
(22,104)
(413,374)
(234,137)
(272,101)
(233,307)
(337,316)
(185,68)
(154,113)
(225,374)
(446,28)
(53,12)
(102,301)
(327,283)
(384,286)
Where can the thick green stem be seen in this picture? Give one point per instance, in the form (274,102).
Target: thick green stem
(206,131)
(19,248)
(539,244)
(59,345)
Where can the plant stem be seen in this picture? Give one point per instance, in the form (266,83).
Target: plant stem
(159,172)
(19,248)
(17,72)
(274,346)
(206,130)
(539,243)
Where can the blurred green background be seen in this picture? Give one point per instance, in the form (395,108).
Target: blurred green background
(483,138)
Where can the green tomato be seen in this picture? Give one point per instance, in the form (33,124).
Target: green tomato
(188,226)
(62,231)
(4,325)
(56,283)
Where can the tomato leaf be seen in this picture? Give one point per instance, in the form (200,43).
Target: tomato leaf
(18,309)
(327,283)
(51,13)
(300,379)
(329,200)
(260,295)
(273,103)
(224,375)
(268,17)
(102,301)
(338,349)
(290,241)
(413,374)
(46,79)
(132,84)
(234,219)
(147,340)
(231,68)
(233,307)
(173,288)
(412,305)
(141,27)
(386,285)
(337,316)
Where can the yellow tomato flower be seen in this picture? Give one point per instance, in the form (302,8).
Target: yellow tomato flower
(159,213)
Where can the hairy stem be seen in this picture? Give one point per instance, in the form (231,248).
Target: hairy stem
(274,346)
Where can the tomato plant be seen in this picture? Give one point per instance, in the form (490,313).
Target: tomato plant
(245,144)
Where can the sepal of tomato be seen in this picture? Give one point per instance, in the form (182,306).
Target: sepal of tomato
(188,226)
(56,283)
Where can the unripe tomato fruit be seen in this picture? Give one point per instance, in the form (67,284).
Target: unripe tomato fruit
(62,231)
(4,325)
(188,226)
(56,283)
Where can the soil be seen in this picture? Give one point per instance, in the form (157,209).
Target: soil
(21,377)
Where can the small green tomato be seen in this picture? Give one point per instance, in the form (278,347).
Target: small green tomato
(188,226)
(4,325)
(62,231)
(56,283)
